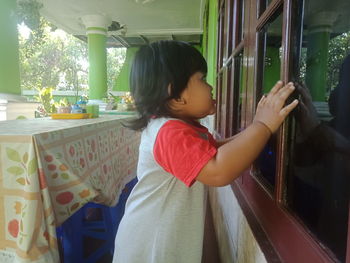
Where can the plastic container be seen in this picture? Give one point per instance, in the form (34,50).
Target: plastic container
(64,109)
(77,109)
(82,105)
(93,109)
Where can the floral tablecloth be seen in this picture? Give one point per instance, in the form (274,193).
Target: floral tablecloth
(51,168)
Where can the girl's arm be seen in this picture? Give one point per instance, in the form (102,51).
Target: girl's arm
(237,155)
(224,141)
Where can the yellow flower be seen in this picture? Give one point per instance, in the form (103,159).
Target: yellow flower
(84,193)
(18,207)
(127,98)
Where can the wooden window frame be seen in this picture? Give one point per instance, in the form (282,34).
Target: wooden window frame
(228,21)
(282,237)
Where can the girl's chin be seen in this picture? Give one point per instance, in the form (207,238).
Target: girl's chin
(213,111)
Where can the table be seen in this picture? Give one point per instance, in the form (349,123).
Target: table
(51,168)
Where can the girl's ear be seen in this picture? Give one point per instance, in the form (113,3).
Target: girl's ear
(177,104)
(180,101)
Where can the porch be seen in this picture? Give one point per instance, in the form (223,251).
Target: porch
(99,32)
(248,45)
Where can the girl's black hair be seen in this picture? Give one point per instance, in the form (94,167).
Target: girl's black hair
(155,68)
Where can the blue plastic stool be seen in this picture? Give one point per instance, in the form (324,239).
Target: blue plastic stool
(79,228)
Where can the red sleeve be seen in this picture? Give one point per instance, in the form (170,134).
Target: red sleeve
(183,150)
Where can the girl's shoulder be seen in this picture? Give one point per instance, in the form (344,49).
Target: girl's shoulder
(157,123)
(173,126)
(180,124)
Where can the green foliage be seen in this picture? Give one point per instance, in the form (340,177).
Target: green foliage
(28,13)
(50,58)
(63,102)
(58,60)
(46,99)
(339,48)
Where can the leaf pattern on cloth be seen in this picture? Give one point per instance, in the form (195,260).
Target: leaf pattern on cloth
(22,167)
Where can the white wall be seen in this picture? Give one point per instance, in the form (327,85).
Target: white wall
(235,239)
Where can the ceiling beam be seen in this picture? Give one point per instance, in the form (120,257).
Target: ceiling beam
(122,40)
(144,39)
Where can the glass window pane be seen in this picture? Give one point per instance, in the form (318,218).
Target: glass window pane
(221,42)
(319,172)
(218,102)
(268,72)
(228,28)
(240,21)
(238,94)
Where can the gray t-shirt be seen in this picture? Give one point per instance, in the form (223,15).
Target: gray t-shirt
(164,219)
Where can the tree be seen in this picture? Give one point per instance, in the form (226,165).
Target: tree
(51,58)
(339,48)
(59,61)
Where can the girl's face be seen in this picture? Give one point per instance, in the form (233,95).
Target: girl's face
(198,97)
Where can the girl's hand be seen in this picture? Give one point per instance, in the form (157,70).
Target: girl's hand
(270,110)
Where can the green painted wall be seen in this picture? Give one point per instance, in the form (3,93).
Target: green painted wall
(122,81)
(210,39)
(9,58)
(205,30)
(97,66)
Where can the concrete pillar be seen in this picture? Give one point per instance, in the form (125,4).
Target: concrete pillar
(9,58)
(318,36)
(96,29)
(122,81)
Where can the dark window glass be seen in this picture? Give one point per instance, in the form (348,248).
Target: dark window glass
(218,115)
(268,73)
(224,107)
(221,35)
(240,19)
(318,180)
(228,28)
(238,95)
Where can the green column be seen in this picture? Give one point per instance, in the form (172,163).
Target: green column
(316,64)
(97,64)
(211,42)
(96,29)
(122,81)
(9,59)
(272,68)
(319,28)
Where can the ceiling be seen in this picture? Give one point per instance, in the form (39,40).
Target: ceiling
(137,22)
(336,11)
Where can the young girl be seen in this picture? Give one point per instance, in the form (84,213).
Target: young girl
(179,158)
